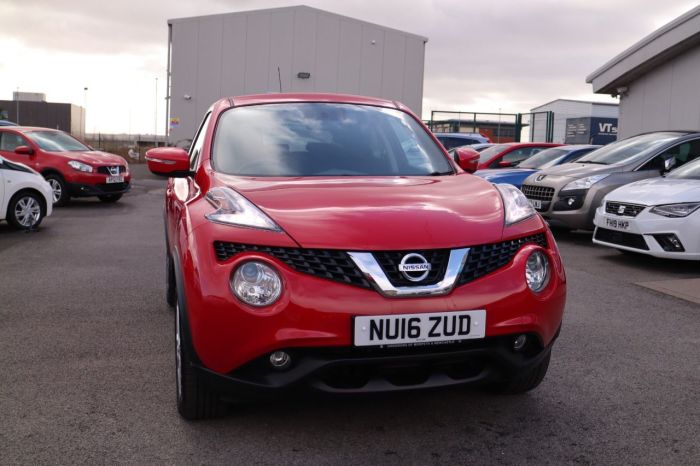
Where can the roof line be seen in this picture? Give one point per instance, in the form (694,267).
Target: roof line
(611,104)
(644,42)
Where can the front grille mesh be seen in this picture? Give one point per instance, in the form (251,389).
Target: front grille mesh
(542,193)
(483,260)
(105,170)
(324,263)
(629,210)
(336,265)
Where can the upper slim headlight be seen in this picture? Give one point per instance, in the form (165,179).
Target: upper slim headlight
(234,209)
(584,183)
(516,205)
(80,166)
(676,210)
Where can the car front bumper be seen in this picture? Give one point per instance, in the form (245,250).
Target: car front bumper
(318,313)
(642,234)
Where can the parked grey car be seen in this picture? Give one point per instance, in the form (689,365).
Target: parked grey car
(568,195)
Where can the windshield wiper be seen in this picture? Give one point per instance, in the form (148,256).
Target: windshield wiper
(440,173)
(591,161)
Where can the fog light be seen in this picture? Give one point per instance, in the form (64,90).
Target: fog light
(519,342)
(570,201)
(537,271)
(280,360)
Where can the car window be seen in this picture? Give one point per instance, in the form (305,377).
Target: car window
(519,155)
(490,152)
(10,141)
(56,141)
(544,158)
(683,153)
(324,139)
(689,171)
(198,143)
(630,149)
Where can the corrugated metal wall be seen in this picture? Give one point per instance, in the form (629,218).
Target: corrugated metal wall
(239,53)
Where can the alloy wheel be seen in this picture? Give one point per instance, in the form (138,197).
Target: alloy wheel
(27,211)
(56,188)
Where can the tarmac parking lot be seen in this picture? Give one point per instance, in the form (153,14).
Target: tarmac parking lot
(87,363)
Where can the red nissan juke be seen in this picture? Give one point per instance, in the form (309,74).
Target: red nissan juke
(329,242)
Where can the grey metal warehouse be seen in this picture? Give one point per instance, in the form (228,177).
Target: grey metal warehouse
(296,49)
(657,79)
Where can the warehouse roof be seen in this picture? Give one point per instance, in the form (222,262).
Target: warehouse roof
(297,7)
(655,49)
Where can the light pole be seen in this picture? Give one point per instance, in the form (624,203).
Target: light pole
(17,103)
(498,131)
(84,122)
(155,128)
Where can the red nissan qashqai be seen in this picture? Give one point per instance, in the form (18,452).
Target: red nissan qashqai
(328,241)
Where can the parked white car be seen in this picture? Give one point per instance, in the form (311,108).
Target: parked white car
(657,216)
(25,196)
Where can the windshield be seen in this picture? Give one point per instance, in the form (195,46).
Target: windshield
(324,139)
(56,141)
(490,152)
(689,171)
(628,149)
(544,159)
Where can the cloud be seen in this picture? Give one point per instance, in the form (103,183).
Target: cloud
(482,54)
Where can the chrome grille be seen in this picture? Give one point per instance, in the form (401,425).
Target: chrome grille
(542,193)
(622,209)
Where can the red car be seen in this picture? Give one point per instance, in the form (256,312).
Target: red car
(510,154)
(328,241)
(72,168)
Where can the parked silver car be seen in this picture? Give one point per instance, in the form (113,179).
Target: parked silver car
(568,195)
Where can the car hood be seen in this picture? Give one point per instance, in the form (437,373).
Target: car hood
(94,157)
(495,174)
(656,191)
(378,213)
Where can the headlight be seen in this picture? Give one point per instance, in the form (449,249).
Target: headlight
(516,205)
(584,183)
(256,284)
(676,210)
(537,271)
(234,209)
(80,166)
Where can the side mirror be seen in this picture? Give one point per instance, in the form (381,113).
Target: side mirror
(505,164)
(668,163)
(169,161)
(24,150)
(467,159)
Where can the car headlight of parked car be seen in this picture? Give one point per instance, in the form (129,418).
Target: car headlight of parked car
(80,166)
(537,271)
(516,205)
(256,284)
(584,183)
(234,209)
(676,210)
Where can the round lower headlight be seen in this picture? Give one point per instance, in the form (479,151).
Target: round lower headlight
(256,283)
(537,271)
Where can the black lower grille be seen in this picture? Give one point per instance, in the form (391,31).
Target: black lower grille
(485,259)
(324,263)
(113,187)
(390,260)
(620,237)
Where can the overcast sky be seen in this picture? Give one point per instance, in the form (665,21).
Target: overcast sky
(482,54)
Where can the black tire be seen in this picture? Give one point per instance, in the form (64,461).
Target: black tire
(110,198)
(60,190)
(26,210)
(195,400)
(524,381)
(170,287)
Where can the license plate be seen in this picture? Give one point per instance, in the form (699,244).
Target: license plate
(115,179)
(617,224)
(536,203)
(412,329)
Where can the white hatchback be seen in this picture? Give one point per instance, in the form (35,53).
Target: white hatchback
(25,196)
(657,216)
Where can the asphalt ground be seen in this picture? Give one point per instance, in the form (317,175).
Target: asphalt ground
(87,367)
